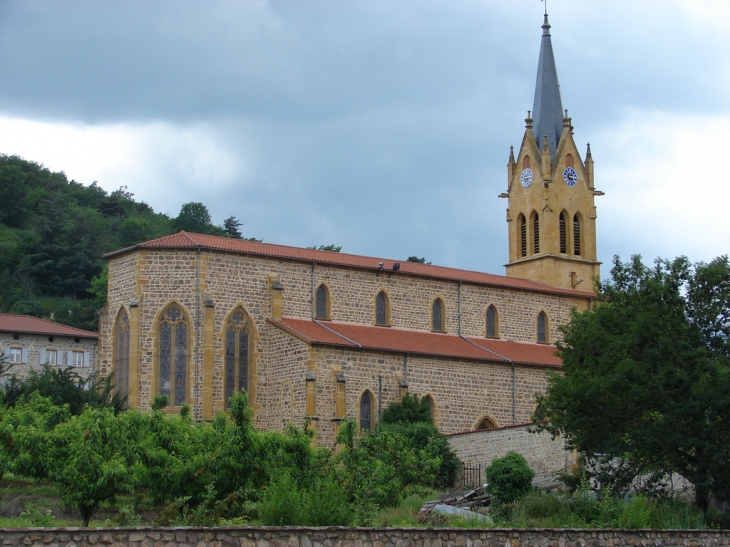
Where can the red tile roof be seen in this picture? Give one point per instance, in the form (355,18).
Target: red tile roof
(525,424)
(33,325)
(187,240)
(330,333)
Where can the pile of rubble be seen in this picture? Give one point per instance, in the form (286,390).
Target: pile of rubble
(471,504)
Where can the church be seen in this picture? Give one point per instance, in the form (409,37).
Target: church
(317,337)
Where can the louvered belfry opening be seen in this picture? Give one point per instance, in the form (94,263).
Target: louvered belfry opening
(523,236)
(563,235)
(536,233)
(576,235)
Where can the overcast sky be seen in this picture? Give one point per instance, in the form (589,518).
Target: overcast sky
(381,126)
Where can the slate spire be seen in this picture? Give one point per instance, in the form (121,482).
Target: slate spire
(547,109)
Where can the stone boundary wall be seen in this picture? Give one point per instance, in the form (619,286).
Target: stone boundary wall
(546,456)
(357,537)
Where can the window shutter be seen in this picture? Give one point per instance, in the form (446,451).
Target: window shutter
(6,353)
(24,356)
(43,357)
(69,358)
(87,359)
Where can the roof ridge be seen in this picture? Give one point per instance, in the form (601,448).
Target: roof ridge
(49,322)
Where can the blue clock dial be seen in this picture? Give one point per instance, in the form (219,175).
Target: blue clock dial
(526,178)
(570,176)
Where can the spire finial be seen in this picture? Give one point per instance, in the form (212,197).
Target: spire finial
(545,24)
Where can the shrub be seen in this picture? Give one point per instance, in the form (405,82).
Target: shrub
(410,409)
(509,479)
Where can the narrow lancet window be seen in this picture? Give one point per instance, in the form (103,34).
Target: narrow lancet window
(437,319)
(366,421)
(542,328)
(121,357)
(381,309)
(576,235)
(491,322)
(321,307)
(173,356)
(563,234)
(535,233)
(237,340)
(523,236)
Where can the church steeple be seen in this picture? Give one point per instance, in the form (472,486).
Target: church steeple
(550,190)
(547,108)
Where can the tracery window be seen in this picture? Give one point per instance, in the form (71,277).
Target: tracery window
(173,371)
(492,322)
(381,309)
(542,327)
(535,233)
(437,315)
(366,408)
(523,236)
(576,235)
(121,357)
(486,424)
(563,234)
(237,353)
(321,303)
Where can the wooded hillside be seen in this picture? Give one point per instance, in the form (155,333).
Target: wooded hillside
(53,233)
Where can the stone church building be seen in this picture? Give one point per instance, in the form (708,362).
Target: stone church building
(316,337)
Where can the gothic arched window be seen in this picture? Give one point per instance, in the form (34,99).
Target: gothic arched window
(523,235)
(366,412)
(321,303)
(121,352)
(535,233)
(492,322)
(485,424)
(542,324)
(437,315)
(563,233)
(173,362)
(569,160)
(237,352)
(526,162)
(576,235)
(381,309)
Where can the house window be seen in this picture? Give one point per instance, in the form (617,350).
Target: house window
(121,358)
(14,355)
(381,309)
(437,315)
(237,352)
(492,327)
(321,303)
(542,328)
(173,356)
(51,357)
(523,236)
(563,234)
(366,407)
(77,358)
(535,233)
(576,235)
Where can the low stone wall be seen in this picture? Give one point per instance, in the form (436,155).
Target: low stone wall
(356,537)
(546,456)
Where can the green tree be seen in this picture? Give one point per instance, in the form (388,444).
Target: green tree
(409,409)
(332,248)
(417,260)
(231,227)
(194,217)
(509,479)
(646,377)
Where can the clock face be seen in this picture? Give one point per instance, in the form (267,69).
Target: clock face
(570,176)
(526,178)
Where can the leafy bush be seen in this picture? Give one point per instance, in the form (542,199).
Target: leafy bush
(410,409)
(509,479)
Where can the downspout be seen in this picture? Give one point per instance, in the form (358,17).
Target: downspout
(459,309)
(197,335)
(312,295)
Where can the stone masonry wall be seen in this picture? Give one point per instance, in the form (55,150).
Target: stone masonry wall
(218,283)
(546,456)
(357,537)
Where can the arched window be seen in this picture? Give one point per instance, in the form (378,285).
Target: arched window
(542,325)
(237,352)
(437,315)
(121,353)
(486,424)
(563,233)
(523,235)
(569,161)
(535,233)
(492,322)
(526,162)
(381,309)
(174,356)
(366,412)
(322,303)
(576,235)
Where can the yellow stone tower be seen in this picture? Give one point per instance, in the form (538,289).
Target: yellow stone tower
(551,213)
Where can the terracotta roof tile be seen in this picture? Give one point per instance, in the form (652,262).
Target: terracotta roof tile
(330,333)
(187,240)
(33,325)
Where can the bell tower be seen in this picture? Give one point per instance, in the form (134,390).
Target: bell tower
(551,215)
